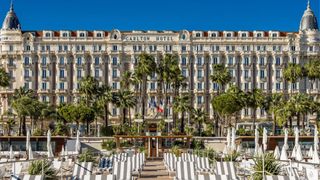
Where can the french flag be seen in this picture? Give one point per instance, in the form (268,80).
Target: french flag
(160,107)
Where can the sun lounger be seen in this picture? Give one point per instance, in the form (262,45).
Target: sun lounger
(213,177)
(98,177)
(122,170)
(81,169)
(27,177)
(226,168)
(281,178)
(202,164)
(185,171)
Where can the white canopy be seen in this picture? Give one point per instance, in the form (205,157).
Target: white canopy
(316,139)
(233,139)
(310,153)
(315,157)
(49,146)
(286,139)
(265,139)
(283,156)
(299,156)
(276,153)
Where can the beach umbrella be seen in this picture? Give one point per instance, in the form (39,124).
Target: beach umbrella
(276,153)
(233,139)
(265,139)
(78,144)
(296,142)
(28,139)
(256,140)
(285,144)
(316,138)
(228,139)
(11,153)
(260,151)
(310,153)
(49,146)
(225,150)
(315,157)
(283,156)
(298,156)
(239,148)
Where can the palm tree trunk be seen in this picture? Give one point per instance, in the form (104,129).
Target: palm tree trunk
(87,128)
(274,126)
(123,115)
(144,95)
(165,100)
(106,115)
(24,127)
(298,120)
(199,128)
(182,122)
(20,126)
(130,120)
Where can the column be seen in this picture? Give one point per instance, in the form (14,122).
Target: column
(157,146)
(149,146)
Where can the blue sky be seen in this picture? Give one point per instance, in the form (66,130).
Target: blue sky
(281,15)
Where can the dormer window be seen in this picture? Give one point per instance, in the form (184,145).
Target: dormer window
(274,35)
(243,35)
(198,35)
(115,37)
(183,36)
(81,35)
(213,35)
(48,34)
(64,34)
(259,35)
(99,35)
(228,34)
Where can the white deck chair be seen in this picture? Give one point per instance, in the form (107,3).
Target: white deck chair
(226,168)
(292,171)
(281,178)
(122,170)
(98,177)
(135,166)
(27,177)
(16,168)
(185,171)
(213,177)
(202,164)
(81,169)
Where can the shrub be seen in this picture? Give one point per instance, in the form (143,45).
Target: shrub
(197,144)
(87,156)
(176,151)
(36,169)
(106,131)
(38,132)
(232,156)
(60,130)
(108,145)
(271,166)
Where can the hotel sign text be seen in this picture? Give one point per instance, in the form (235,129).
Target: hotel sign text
(144,38)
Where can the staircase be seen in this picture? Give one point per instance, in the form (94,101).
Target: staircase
(154,169)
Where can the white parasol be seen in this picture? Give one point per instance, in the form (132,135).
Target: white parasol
(276,153)
(299,156)
(265,139)
(233,139)
(283,156)
(316,138)
(310,153)
(315,157)
(49,146)
(285,143)
(78,144)
(256,140)
(228,139)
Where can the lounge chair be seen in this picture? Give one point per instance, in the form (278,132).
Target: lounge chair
(202,164)
(281,178)
(98,177)
(226,168)
(213,177)
(122,170)
(27,177)
(81,169)
(185,171)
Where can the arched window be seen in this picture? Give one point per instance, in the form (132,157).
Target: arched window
(99,35)
(228,34)
(115,36)
(183,36)
(48,34)
(198,35)
(81,34)
(65,35)
(213,35)
(259,35)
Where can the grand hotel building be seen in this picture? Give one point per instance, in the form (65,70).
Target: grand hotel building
(53,62)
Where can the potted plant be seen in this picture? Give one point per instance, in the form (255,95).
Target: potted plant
(109,145)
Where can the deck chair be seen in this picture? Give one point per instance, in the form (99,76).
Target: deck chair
(98,177)
(185,171)
(27,177)
(202,164)
(122,170)
(281,178)
(226,168)
(81,169)
(213,177)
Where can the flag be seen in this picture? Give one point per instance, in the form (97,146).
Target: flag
(160,107)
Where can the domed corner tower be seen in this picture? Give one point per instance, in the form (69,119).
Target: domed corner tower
(10,33)
(309,30)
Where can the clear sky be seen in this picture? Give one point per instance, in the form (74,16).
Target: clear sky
(281,15)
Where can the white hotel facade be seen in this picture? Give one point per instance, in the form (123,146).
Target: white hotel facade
(53,62)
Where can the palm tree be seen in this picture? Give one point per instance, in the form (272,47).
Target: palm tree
(4,78)
(146,66)
(88,90)
(23,106)
(300,104)
(105,97)
(313,70)
(292,73)
(255,99)
(271,105)
(48,113)
(221,76)
(199,116)
(125,99)
(127,79)
(181,104)
(22,92)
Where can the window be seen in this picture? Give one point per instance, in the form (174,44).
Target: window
(10,48)
(48,48)
(199,61)
(97,61)
(294,60)
(184,72)
(199,99)
(44,60)
(168,48)
(246,73)
(28,48)
(183,48)
(294,86)
(99,35)
(246,86)
(44,98)
(274,35)
(11,62)
(278,73)
(26,73)
(61,85)
(230,60)
(61,61)
(44,86)
(82,35)
(64,34)
(79,61)
(83,48)
(278,86)
(199,86)
(114,111)
(61,73)
(61,98)
(231,72)
(114,73)
(96,73)
(311,48)
(259,35)
(183,61)
(65,48)
(114,61)
(262,61)
(199,73)
(152,86)
(215,86)
(262,112)
(44,73)
(59,48)
(48,34)
(262,74)
(244,35)
(114,48)
(262,86)
(246,61)
(26,60)
(79,73)
(183,36)
(246,112)
(215,60)
(228,34)
(114,85)
(293,48)
(213,35)
(278,61)
(115,37)
(198,35)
